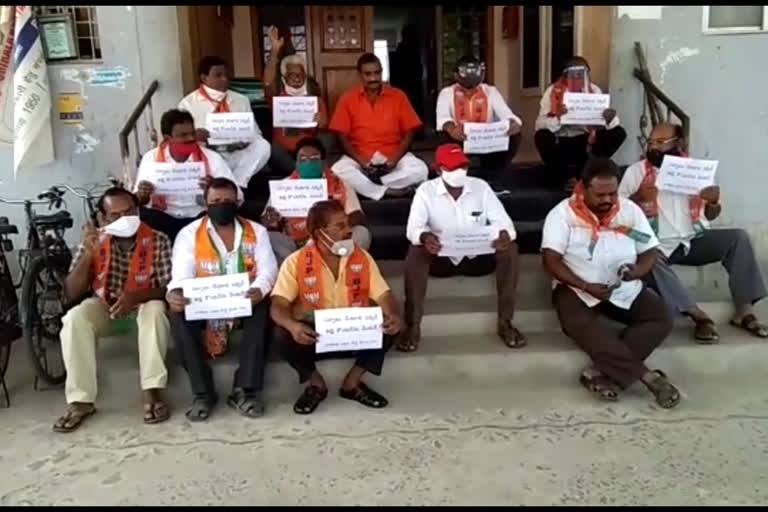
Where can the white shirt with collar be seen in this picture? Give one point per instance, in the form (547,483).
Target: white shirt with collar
(552,123)
(569,236)
(498,111)
(197,105)
(675,226)
(434,210)
(184,265)
(181,206)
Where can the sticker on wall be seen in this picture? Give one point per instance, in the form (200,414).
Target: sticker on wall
(108,77)
(71,108)
(85,142)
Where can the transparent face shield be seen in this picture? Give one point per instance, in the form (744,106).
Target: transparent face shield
(471,75)
(577,78)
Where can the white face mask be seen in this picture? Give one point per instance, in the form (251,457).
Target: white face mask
(341,248)
(295,91)
(214,94)
(124,227)
(455,179)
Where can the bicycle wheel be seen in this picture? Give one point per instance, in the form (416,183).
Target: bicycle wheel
(43,305)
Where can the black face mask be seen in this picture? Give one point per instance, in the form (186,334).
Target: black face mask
(656,157)
(222,214)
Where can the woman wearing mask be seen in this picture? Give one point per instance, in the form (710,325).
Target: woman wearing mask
(331,272)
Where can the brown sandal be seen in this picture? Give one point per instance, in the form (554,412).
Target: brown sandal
(705,332)
(156,412)
(600,386)
(667,395)
(72,419)
(510,335)
(752,325)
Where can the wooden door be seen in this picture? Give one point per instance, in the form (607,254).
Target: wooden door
(340,35)
(208,32)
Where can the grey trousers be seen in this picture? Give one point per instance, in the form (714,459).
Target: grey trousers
(732,248)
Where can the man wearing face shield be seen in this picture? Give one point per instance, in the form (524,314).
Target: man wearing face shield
(566,148)
(222,243)
(292,81)
(375,124)
(289,234)
(598,247)
(126,265)
(453,202)
(331,272)
(469,100)
(246,157)
(170,213)
(682,225)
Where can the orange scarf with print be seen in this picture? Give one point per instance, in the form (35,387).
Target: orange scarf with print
(312,289)
(651,208)
(222,106)
(159,201)
(470,108)
(208,263)
(297,226)
(557,99)
(140,271)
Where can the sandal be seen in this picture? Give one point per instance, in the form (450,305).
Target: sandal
(667,395)
(705,332)
(600,386)
(365,396)
(309,400)
(409,339)
(752,325)
(72,419)
(248,404)
(511,336)
(156,412)
(201,408)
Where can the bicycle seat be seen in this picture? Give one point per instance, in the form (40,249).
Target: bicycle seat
(6,228)
(59,219)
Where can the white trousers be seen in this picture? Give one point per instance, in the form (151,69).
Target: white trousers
(410,170)
(248,161)
(86,322)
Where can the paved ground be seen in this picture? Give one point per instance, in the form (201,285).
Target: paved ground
(500,441)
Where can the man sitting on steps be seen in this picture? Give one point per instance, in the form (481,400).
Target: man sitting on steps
(455,203)
(598,247)
(681,223)
(375,124)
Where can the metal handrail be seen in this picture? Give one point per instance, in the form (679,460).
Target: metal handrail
(130,125)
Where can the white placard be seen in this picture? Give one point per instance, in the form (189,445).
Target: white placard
(230,127)
(483,138)
(294,198)
(218,297)
(686,175)
(344,329)
(294,111)
(174,178)
(470,243)
(585,108)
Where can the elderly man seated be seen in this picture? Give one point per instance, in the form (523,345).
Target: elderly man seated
(682,224)
(470,100)
(245,158)
(375,124)
(597,247)
(289,234)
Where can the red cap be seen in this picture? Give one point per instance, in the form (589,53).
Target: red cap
(450,156)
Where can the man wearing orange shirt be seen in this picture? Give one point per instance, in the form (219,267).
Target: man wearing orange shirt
(375,124)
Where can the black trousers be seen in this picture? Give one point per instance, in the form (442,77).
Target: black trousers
(565,156)
(302,358)
(249,375)
(492,165)
(168,224)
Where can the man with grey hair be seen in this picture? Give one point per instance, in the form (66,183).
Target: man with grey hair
(293,81)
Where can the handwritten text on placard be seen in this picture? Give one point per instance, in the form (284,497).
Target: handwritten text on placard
(345,329)
(294,111)
(218,297)
(485,138)
(230,127)
(472,243)
(174,178)
(686,175)
(294,198)
(585,108)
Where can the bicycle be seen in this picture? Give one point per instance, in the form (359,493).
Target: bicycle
(44,265)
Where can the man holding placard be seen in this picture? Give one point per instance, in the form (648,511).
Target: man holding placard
(172,177)
(464,107)
(221,249)
(316,281)
(288,231)
(126,265)
(679,198)
(575,120)
(375,124)
(457,226)
(224,120)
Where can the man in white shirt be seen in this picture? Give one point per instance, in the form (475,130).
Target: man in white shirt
(469,100)
(451,204)
(565,148)
(598,247)
(168,213)
(222,243)
(682,225)
(245,158)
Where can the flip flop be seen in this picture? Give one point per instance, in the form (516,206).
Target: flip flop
(249,405)
(364,395)
(752,325)
(156,412)
(705,332)
(78,416)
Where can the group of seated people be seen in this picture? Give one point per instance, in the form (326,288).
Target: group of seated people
(608,247)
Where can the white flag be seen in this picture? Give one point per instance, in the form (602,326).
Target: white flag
(7,28)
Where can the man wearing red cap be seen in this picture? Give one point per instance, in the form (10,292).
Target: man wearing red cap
(446,211)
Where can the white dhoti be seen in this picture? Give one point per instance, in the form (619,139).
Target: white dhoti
(248,161)
(410,170)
